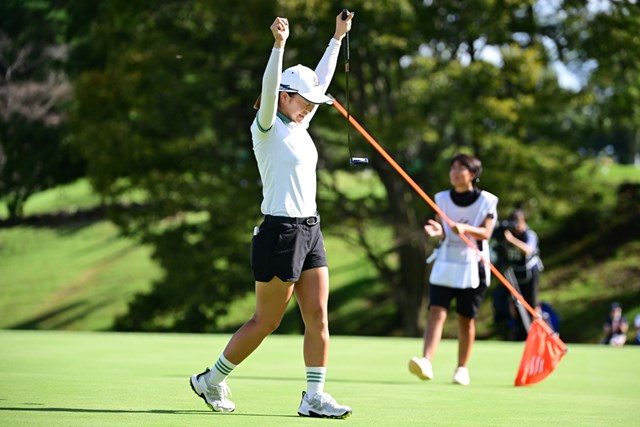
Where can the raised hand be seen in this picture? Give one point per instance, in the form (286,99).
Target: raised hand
(280,30)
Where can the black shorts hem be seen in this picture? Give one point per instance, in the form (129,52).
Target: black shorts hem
(468,300)
(311,267)
(261,279)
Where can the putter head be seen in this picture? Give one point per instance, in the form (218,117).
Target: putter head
(355,161)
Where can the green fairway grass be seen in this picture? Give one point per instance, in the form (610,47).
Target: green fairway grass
(62,378)
(617,173)
(78,276)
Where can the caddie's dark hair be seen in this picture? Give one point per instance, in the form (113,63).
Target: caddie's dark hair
(472,163)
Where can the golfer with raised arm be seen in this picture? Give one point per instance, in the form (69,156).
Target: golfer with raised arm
(287,254)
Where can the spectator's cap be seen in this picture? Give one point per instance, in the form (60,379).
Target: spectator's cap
(615,305)
(304,81)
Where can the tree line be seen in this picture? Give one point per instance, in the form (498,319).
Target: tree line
(152,102)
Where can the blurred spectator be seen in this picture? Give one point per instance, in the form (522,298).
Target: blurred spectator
(616,327)
(636,324)
(516,248)
(549,315)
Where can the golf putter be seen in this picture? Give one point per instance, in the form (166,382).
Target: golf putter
(353,161)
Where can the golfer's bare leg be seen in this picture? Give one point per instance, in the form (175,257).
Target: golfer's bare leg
(466,337)
(312,294)
(433,330)
(272,299)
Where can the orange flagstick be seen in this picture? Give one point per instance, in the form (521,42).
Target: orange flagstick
(445,218)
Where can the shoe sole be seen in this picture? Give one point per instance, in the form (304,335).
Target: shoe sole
(203,398)
(312,414)
(466,380)
(460,382)
(416,370)
(334,417)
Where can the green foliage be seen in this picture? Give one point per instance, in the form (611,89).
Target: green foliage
(163,94)
(426,91)
(605,47)
(33,157)
(168,114)
(33,22)
(34,151)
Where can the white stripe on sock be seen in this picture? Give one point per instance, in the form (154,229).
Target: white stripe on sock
(315,379)
(220,370)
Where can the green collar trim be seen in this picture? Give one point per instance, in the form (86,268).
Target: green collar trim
(286,120)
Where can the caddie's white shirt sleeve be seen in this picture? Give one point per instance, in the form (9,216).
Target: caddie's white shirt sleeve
(270,89)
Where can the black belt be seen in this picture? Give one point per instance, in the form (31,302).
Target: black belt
(310,220)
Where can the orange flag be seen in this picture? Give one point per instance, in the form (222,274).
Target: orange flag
(541,355)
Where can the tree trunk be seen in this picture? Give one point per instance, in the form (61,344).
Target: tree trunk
(409,283)
(411,289)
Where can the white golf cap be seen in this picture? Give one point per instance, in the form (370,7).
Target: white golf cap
(304,81)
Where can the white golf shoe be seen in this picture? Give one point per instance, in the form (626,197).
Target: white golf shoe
(322,405)
(421,368)
(214,395)
(461,376)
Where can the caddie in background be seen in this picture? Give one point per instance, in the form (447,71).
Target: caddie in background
(458,273)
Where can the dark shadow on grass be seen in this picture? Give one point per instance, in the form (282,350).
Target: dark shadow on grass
(36,322)
(134,411)
(62,222)
(103,243)
(86,312)
(51,315)
(378,317)
(71,228)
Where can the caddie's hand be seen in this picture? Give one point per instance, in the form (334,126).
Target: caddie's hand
(459,228)
(343,27)
(280,29)
(433,228)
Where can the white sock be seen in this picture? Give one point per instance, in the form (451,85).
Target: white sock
(220,371)
(315,380)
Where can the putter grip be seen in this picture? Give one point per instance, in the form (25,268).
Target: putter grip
(345,15)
